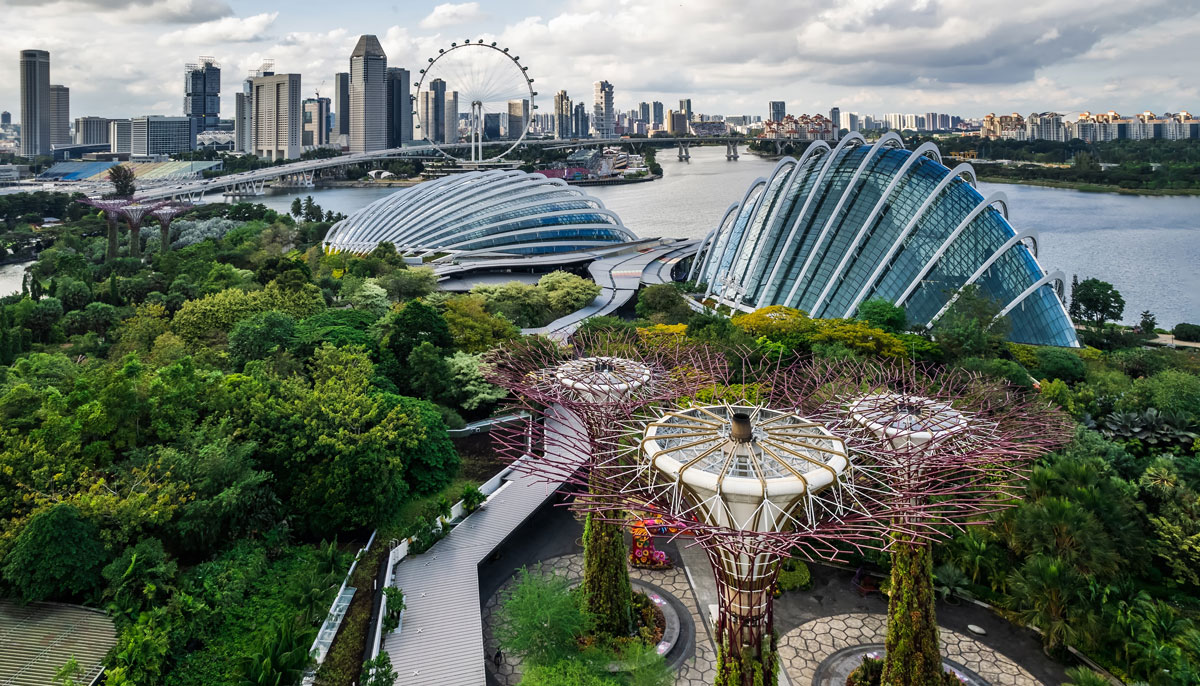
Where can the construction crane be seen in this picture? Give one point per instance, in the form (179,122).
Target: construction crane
(317,90)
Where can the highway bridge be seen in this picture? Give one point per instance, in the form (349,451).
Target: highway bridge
(302,173)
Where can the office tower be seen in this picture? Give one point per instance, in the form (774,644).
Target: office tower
(518,117)
(854,123)
(644,112)
(491,126)
(154,135)
(35,103)
(277,116)
(685,106)
(450,109)
(657,108)
(341,81)
(91,130)
(835,116)
(60,115)
(119,136)
(432,113)
(602,110)
(5,118)
(243,122)
(315,128)
(777,109)
(368,96)
(580,126)
(562,115)
(399,107)
(202,93)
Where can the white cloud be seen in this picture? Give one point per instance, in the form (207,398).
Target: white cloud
(449,14)
(224,30)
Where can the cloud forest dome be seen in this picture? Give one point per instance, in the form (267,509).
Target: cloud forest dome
(845,224)
(499,211)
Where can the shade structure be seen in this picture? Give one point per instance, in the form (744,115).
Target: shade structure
(603,378)
(842,225)
(508,212)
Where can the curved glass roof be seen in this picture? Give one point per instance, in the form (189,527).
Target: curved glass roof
(499,211)
(864,220)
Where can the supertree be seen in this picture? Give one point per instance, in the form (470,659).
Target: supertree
(577,395)
(165,214)
(958,444)
(134,212)
(112,209)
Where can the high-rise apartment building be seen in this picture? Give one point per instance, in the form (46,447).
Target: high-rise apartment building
(202,93)
(120,134)
(562,115)
(777,110)
(835,116)
(60,115)
(644,112)
(152,135)
(677,123)
(35,102)
(657,113)
(368,95)
(580,125)
(277,116)
(450,109)
(5,118)
(399,107)
(341,87)
(518,117)
(314,130)
(603,116)
(685,106)
(92,130)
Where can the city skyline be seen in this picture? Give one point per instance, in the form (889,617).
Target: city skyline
(1039,58)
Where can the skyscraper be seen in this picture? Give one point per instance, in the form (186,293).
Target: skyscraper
(644,112)
(243,122)
(518,117)
(5,118)
(431,110)
(277,116)
(777,110)
(562,115)
(341,87)
(657,113)
(399,107)
(91,130)
(202,93)
(450,109)
(685,106)
(835,116)
(579,121)
(368,96)
(315,127)
(602,111)
(35,103)
(60,115)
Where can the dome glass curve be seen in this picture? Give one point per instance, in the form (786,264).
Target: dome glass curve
(500,211)
(844,224)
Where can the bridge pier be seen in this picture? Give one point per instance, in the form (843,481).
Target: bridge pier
(731,151)
(684,154)
(778,147)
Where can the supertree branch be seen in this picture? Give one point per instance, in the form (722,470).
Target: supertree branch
(135,212)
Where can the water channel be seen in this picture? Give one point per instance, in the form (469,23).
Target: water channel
(1146,246)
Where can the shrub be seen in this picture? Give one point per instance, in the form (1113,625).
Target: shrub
(794,576)
(395,605)
(1055,363)
(541,619)
(1187,332)
(472,497)
(1000,369)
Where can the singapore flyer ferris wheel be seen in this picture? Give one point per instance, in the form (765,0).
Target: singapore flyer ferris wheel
(486,83)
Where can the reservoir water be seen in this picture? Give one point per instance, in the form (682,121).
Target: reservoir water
(1146,246)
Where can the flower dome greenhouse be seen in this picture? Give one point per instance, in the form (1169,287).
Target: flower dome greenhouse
(501,211)
(858,221)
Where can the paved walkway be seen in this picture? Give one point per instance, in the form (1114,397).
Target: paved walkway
(804,648)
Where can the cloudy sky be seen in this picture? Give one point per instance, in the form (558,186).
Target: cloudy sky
(126,57)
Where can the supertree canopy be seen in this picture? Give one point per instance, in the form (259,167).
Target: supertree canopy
(134,212)
(165,214)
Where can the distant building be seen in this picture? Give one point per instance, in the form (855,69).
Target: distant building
(152,135)
(603,116)
(399,107)
(800,128)
(202,93)
(644,112)
(1046,126)
(677,124)
(277,116)
(368,95)
(450,107)
(491,126)
(580,126)
(685,106)
(835,117)
(91,130)
(315,128)
(120,136)
(777,110)
(5,118)
(341,85)
(656,114)
(562,115)
(431,111)
(518,117)
(35,102)
(60,115)
(243,122)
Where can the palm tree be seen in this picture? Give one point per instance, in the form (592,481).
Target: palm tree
(975,553)
(280,658)
(1044,593)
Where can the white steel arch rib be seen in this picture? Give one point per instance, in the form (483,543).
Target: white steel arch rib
(987,202)
(900,175)
(700,251)
(758,204)
(958,172)
(890,137)
(771,286)
(716,234)
(755,185)
(1008,245)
